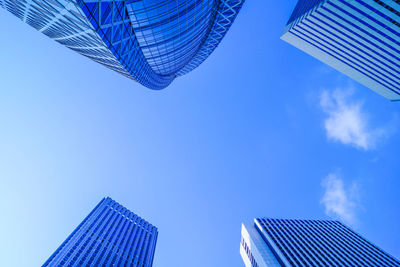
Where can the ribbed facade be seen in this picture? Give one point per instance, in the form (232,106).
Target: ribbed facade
(149,41)
(360,38)
(308,243)
(110,235)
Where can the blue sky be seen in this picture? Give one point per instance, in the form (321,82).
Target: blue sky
(260,129)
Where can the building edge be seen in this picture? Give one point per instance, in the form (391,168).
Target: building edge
(331,61)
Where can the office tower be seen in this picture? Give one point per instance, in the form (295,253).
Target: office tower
(360,38)
(110,235)
(149,41)
(276,242)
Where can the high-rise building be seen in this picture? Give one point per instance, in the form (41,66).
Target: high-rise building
(276,242)
(110,235)
(150,41)
(360,38)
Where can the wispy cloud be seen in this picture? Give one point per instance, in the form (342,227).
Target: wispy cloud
(340,202)
(347,122)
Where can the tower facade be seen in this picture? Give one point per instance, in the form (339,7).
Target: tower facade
(110,235)
(276,242)
(149,41)
(360,38)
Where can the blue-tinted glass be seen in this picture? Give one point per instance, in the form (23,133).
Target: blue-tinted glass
(108,235)
(321,243)
(359,38)
(150,41)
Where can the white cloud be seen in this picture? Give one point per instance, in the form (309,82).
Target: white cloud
(347,122)
(340,202)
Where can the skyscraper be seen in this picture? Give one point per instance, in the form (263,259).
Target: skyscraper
(360,38)
(276,242)
(150,41)
(110,235)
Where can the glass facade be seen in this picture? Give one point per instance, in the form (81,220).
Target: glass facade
(277,242)
(110,235)
(170,32)
(360,38)
(149,41)
(254,250)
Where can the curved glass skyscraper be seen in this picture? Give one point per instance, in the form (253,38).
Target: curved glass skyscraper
(150,41)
